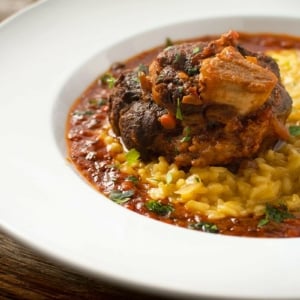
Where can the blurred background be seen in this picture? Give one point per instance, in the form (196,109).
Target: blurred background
(9,7)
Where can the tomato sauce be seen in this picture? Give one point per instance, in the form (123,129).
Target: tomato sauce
(90,156)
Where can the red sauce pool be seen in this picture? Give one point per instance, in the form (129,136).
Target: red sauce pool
(92,160)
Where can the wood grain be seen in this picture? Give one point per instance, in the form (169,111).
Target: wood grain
(26,274)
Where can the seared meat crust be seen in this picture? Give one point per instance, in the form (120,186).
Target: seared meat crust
(226,102)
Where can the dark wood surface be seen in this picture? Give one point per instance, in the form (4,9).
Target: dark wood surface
(27,274)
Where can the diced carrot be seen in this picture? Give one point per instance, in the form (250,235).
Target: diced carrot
(252,59)
(182,75)
(168,121)
(127,185)
(145,81)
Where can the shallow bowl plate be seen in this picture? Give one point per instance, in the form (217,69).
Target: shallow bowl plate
(48,56)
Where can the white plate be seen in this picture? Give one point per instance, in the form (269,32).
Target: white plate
(48,55)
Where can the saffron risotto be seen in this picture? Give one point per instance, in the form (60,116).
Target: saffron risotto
(216,192)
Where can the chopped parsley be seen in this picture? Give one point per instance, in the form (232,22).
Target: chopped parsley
(121,197)
(97,102)
(132,156)
(187,135)
(143,68)
(196,50)
(160,78)
(168,42)
(180,89)
(275,214)
(108,79)
(193,71)
(136,78)
(178,110)
(133,179)
(159,208)
(179,58)
(205,226)
(294,130)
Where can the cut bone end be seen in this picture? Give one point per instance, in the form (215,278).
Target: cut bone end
(229,78)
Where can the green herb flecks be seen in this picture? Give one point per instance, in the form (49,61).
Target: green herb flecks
(159,208)
(132,156)
(187,135)
(179,58)
(205,226)
(136,78)
(294,130)
(176,150)
(83,113)
(178,110)
(133,179)
(275,214)
(180,89)
(143,68)
(168,42)
(108,79)
(121,197)
(97,102)
(193,71)
(196,50)
(160,78)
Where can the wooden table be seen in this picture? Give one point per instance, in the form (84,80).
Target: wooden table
(26,274)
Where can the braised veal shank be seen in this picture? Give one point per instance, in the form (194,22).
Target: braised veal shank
(203,103)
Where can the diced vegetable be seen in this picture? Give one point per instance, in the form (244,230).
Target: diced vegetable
(159,208)
(276,214)
(205,226)
(187,135)
(294,130)
(108,79)
(121,197)
(132,156)
(168,121)
(178,110)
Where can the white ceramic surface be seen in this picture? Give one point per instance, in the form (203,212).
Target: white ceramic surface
(48,55)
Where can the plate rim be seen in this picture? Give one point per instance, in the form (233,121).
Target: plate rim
(43,247)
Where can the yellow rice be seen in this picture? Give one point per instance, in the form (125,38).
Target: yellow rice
(215,191)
